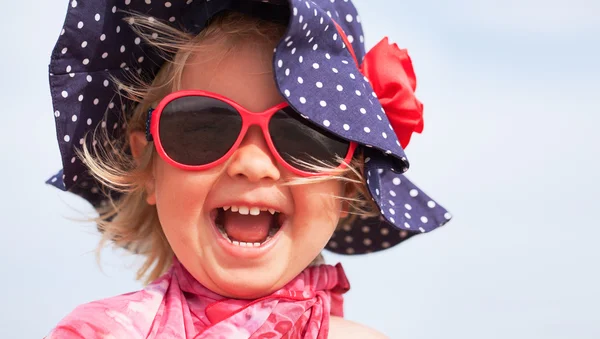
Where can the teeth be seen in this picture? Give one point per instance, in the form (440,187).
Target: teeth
(245,210)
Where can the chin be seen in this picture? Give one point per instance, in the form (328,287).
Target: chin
(251,282)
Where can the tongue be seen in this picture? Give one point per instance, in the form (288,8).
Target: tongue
(247,228)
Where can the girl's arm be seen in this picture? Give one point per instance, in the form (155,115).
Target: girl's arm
(341,328)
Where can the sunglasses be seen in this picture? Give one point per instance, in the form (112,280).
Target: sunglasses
(198,130)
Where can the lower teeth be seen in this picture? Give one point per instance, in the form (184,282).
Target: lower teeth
(243,243)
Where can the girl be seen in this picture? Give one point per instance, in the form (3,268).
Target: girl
(238,140)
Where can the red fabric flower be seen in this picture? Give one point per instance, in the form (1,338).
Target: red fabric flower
(390,71)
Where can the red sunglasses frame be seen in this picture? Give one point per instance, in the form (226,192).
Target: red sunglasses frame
(249,118)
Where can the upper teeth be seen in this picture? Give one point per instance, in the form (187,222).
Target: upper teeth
(245,210)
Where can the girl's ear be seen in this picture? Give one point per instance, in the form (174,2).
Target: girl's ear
(138,144)
(350,191)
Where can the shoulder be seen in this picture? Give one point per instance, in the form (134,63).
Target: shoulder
(342,328)
(125,316)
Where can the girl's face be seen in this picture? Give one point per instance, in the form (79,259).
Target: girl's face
(189,203)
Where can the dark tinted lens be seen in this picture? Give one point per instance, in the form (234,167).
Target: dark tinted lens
(299,141)
(197,130)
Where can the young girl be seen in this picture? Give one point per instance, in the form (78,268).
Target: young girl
(237,141)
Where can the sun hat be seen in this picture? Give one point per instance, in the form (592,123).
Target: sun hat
(316,69)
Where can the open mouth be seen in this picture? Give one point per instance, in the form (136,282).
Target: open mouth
(247,226)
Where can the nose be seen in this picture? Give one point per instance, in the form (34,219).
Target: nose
(253,158)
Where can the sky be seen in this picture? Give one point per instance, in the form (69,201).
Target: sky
(509,147)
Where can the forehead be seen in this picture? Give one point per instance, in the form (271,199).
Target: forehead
(241,71)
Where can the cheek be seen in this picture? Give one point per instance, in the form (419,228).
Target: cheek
(180,195)
(317,208)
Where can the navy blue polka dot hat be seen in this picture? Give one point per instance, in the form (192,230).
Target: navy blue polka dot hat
(320,68)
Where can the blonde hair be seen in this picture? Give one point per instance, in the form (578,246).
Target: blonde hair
(129,221)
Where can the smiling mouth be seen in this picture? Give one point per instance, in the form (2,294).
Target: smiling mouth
(248,226)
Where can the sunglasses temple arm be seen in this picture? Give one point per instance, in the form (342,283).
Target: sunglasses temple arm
(148,121)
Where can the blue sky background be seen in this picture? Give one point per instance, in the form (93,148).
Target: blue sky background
(510,147)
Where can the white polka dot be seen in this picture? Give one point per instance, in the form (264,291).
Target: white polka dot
(335,36)
(74,3)
(319,84)
(316,65)
(379,117)
(293,50)
(64,50)
(287,71)
(300,19)
(148,2)
(414,193)
(118,29)
(408,216)
(350,39)
(348,239)
(104,55)
(334,70)
(172,19)
(287,93)
(384,135)
(448,216)
(367,130)
(300,80)
(385,244)
(86,61)
(302,100)
(346,127)
(89,121)
(56,114)
(103,37)
(327,56)
(339,88)
(141,59)
(396,181)
(280,63)
(88,78)
(80,25)
(300,59)
(154,35)
(343,107)
(384,230)
(408,207)
(363,111)
(114,9)
(137,41)
(352,76)
(315,47)
(65,94)
(167,4)
(127,2)
(431,204)
(349,18)
(367,241)
(67,138)
(377,191)
(80,98)
(74,118)
(305,25)
(326,123)
(122,48)
(68,68)
(295,11)
(105,83)
(323,103)
(424,219)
